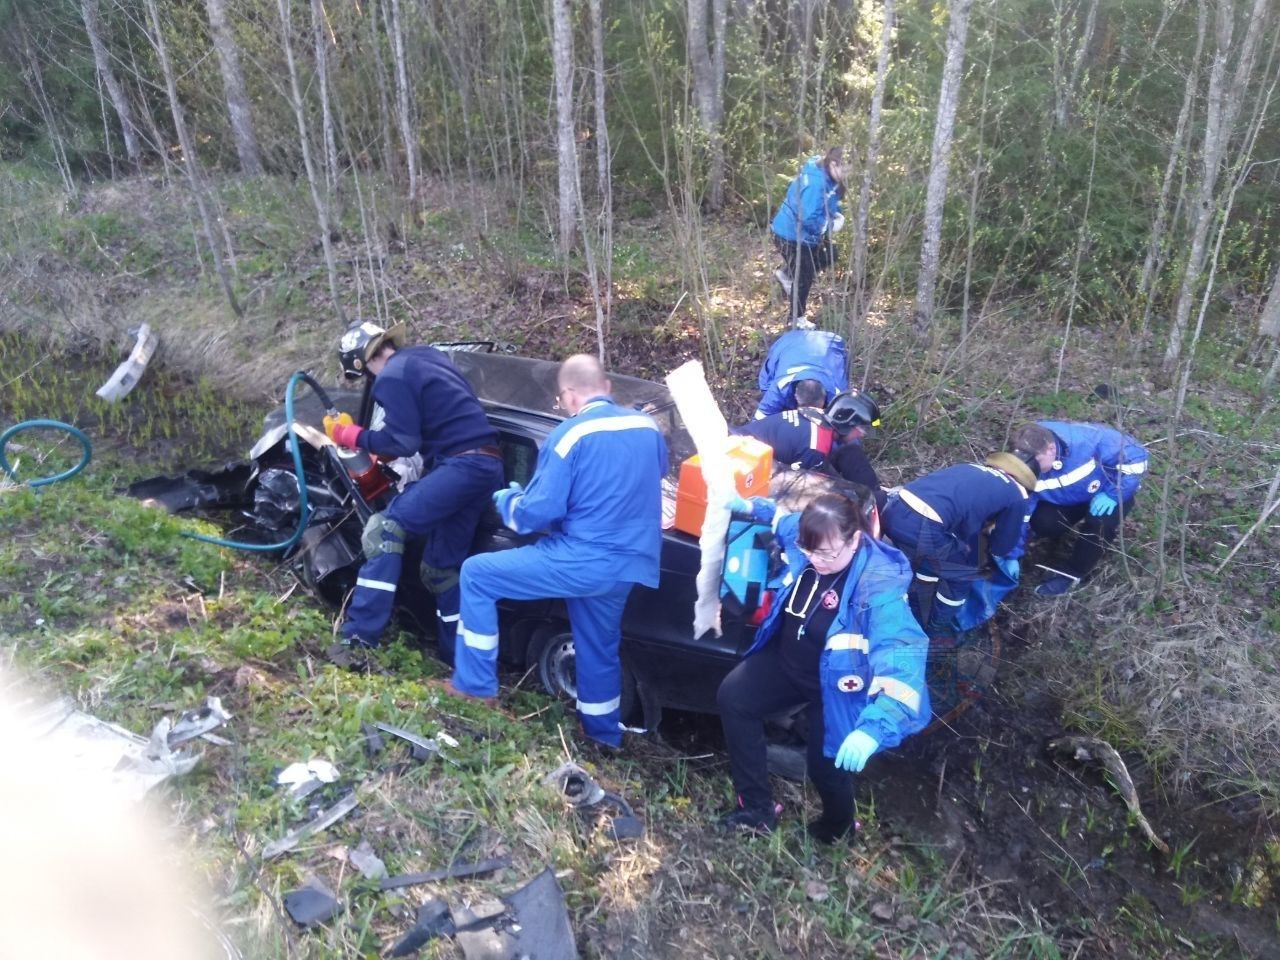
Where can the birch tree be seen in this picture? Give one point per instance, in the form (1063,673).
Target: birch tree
(233,88)
(566,147)
(408,132)
(190,162)
(707,65)
(1066,80)
(119,99)
(604,178)
(1225,96)
(320,38)
(860,306)
(936,195)
(1269,320)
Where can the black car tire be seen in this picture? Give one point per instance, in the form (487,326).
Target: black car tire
(552,653)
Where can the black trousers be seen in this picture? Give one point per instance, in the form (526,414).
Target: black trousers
(759,687)
(1093,534)
(803,261)
(945,567)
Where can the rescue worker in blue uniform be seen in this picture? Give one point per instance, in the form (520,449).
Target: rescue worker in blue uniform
(801,438)
(430,409)
(800,355)
(840,638)
(1090,474)
(803,226)
(851,415)
(597,492)
(938,521)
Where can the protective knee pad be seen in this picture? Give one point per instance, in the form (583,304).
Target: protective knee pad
(438,579)
(381,535)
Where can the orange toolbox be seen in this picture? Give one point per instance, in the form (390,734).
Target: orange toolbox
(752,467)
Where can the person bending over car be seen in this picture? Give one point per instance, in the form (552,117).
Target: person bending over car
(429,408)
(796,356)
(597,493)
(839,638)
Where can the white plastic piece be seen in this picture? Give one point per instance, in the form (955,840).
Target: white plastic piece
(128,374)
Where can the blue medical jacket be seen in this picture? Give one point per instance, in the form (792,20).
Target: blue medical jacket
(597,491)
(872,671)
(811,203)
(429,408)
(801,355)
(968,496)
(798,438)
(1092,458)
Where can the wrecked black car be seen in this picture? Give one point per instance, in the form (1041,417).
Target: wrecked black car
(664,665)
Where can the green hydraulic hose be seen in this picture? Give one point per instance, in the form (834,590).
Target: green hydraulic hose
(304,508)
(86,448)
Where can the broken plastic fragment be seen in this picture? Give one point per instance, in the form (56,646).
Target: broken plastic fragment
(198,722)
(422,747)
(576,785)
(312,904)
(127,375)
(322,822)
(367,862)
(449,872)
(539,926)
(433,921)
(304,779)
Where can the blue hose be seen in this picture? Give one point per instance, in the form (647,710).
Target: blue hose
(304,509)
(17,428)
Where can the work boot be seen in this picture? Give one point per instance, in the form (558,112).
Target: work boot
(447,687)
(784,280)
(352,653)
(828,832)
(1058,585)
(761,820)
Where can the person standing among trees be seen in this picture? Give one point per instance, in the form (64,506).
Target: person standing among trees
(597,492)
(803,226)
(1090,474)
(839,638)
(430,409)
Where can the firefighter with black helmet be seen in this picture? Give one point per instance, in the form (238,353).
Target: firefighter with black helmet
(427,408)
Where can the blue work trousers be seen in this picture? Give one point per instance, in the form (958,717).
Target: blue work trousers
(443,509)
(945,566)
(595,598)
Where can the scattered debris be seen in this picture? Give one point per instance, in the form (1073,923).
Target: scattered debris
(373,743)
(304,779)
(1085,749)
(816,890)
(589,799)
(446,873)
(322,822)
(224,487)
(422,748)
(537,925)
(128,374)
(367,862)
(198,722)
(311,904)
(433,921)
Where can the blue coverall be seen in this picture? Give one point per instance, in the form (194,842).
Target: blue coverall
(871,673)
(937,521)
(429,409)
(1092,459)
(801,228)
(799,438)
(801,355)
(597,492)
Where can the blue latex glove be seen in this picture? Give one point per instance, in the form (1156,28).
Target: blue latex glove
(503,500)
(1102,505)
(855,751)
(739,505)
(1009,566)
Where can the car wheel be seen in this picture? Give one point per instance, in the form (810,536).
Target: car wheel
(553,655)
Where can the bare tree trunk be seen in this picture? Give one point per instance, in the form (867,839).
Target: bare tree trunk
(860,304)
(567,150)
(380,77)
(320,37)
(33,76)
(119,100)
(604,159)
(1064,87)
(707,66)
(1269,320)
(189,160)
(318,198)
(408,134)
(935,197)
(233,88)
(1225,97)
(1153,262)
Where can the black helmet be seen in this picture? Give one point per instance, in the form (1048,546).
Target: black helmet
(852,409)
(361,341)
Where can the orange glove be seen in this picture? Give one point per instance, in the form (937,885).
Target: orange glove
(331,423)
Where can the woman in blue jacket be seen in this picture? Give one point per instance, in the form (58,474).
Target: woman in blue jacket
(841,639)
(802,228)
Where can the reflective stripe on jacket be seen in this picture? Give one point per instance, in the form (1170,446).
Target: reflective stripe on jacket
(1092,458)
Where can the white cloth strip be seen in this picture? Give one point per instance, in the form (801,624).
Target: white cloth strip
(479,641)
(1133,468)
(949,602)
(1067,479)
(847,641)
(918,505)
(897,690)
(451,618)
(599,709)
(602,425)
(925,578)
(376,584)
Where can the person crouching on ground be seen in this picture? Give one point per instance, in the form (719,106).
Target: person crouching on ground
(841,639)
(597,491)
(803,226)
